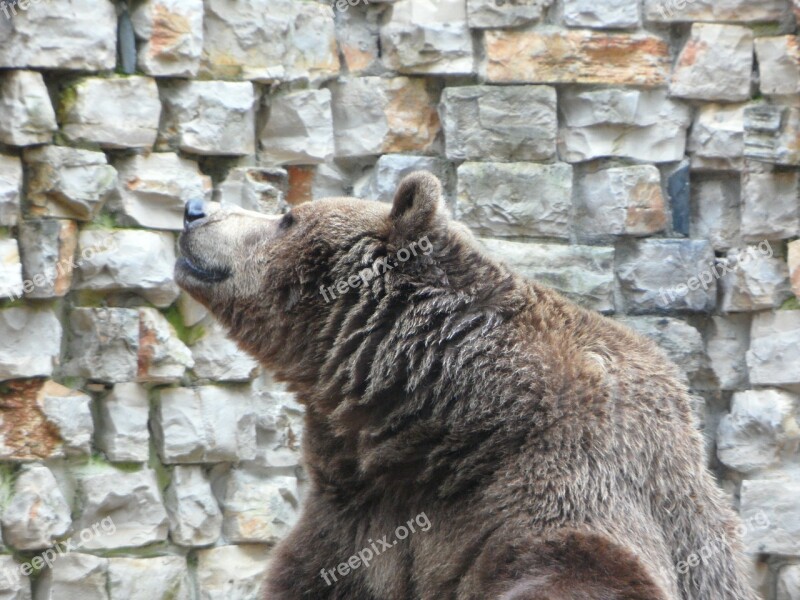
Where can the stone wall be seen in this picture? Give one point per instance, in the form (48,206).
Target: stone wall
(640,156)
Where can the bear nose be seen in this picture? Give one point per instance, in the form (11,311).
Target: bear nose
(193,211)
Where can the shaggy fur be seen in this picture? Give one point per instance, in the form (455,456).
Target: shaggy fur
(551,448)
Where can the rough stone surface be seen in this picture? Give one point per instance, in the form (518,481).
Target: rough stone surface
(218,358)
(195,519)
(487,14)
(123,434)
(584,274)
(775,502)
(619,201)
(717,139)
(67,182)
(770,210)
(69,412)
(120,267)
(153,190)
(103,344)
(205,424)
(772,359)
(269,40)
(760,430)
(74,575)
(660,275)
(428,38)
(131,501)
(612,14)
(113,113)
(513,123)
(794,266)
(14,588)
(47,247)
(716,214)
(255,510)
(516,199)
(299,129)
(727,341)
(279,427)
(11,285)
(28,115)
(576,56)
(162,357)
(10,189)
(789,583)
(171,32)
(756,280)
(157,578)
(231,572)
(37,513)
(30,342)
(43,419)
(373,115)
(358,35)
(253,188)
(210,117)
(639,124)
(673,11)
(715,64)
(779,64)
(772,134)
(81,35)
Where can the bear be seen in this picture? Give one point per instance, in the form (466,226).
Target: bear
(469,434)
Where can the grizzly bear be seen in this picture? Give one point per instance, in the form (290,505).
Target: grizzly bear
(469,434)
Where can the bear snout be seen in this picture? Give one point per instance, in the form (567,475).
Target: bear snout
(193,211)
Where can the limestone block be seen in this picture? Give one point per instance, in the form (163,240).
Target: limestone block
(30,342)
(153,190)
(658,275)
(715,64)
(67,182)
(28,115)
(516,199)
(299,129)
(37,513)
(640,124)
(509,123)
(556,56)
(119,112)
(171,35)
(123,434)
(204,424)
(210,117)
(373,115)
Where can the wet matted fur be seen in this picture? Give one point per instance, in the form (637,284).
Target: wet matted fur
(552,449)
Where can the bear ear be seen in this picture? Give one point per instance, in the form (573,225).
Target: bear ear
(416,204)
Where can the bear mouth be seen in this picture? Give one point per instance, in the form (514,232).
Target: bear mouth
(201,272)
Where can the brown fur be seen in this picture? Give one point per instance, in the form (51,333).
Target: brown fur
(551,448)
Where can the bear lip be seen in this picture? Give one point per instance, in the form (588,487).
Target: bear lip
(202,273)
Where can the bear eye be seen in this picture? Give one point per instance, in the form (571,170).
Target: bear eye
(287,221)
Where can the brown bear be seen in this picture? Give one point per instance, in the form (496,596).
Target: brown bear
(469,434)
